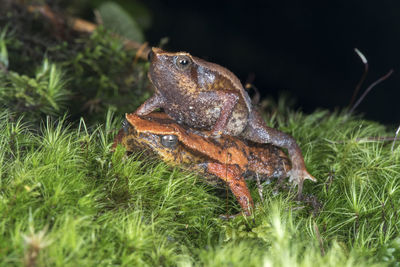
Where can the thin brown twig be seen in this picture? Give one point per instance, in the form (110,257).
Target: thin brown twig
(369,89)
(365,62)
(320,241)
(84,26)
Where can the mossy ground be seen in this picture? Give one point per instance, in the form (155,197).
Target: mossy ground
(66,197)
(67,200)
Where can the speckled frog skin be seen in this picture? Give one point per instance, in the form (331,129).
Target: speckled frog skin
(228,159)
(207,96)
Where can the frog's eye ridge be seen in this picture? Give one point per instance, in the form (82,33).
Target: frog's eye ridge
(182,62)
(169,141)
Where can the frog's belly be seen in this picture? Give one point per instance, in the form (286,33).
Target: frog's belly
(203,116)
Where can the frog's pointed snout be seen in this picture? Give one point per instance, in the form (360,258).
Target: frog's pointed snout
(157,50)
(155,55)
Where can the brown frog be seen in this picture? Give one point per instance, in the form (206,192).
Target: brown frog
(207,96)
(226,159)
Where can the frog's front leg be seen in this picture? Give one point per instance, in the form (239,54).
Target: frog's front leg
(233,177)
(258,131)
(151,104)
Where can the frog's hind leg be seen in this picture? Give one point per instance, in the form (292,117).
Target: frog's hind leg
(257,131)
(233,177)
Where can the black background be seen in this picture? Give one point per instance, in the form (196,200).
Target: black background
(305,48)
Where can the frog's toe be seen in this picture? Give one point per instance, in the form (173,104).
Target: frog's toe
(216,135)
(308,176)
(299,176)
(197,132)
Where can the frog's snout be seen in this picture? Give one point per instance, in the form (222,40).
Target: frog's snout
(154,53)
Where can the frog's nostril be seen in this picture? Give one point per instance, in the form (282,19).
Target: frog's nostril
(150,55)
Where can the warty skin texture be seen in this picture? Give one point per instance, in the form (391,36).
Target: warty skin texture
(206,96)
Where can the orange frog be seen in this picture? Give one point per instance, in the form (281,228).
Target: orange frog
(228,159)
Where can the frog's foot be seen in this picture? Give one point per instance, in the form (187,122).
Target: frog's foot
(197,132)
(297,177)
(206,134)
(232,176)
(215,134)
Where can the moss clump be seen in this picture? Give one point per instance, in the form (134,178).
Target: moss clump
(96,206)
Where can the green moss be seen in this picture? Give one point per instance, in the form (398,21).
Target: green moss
(98,207)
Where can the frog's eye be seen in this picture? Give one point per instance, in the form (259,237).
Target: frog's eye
(182,62)
(169,141)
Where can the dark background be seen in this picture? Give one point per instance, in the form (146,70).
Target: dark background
(305,48)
